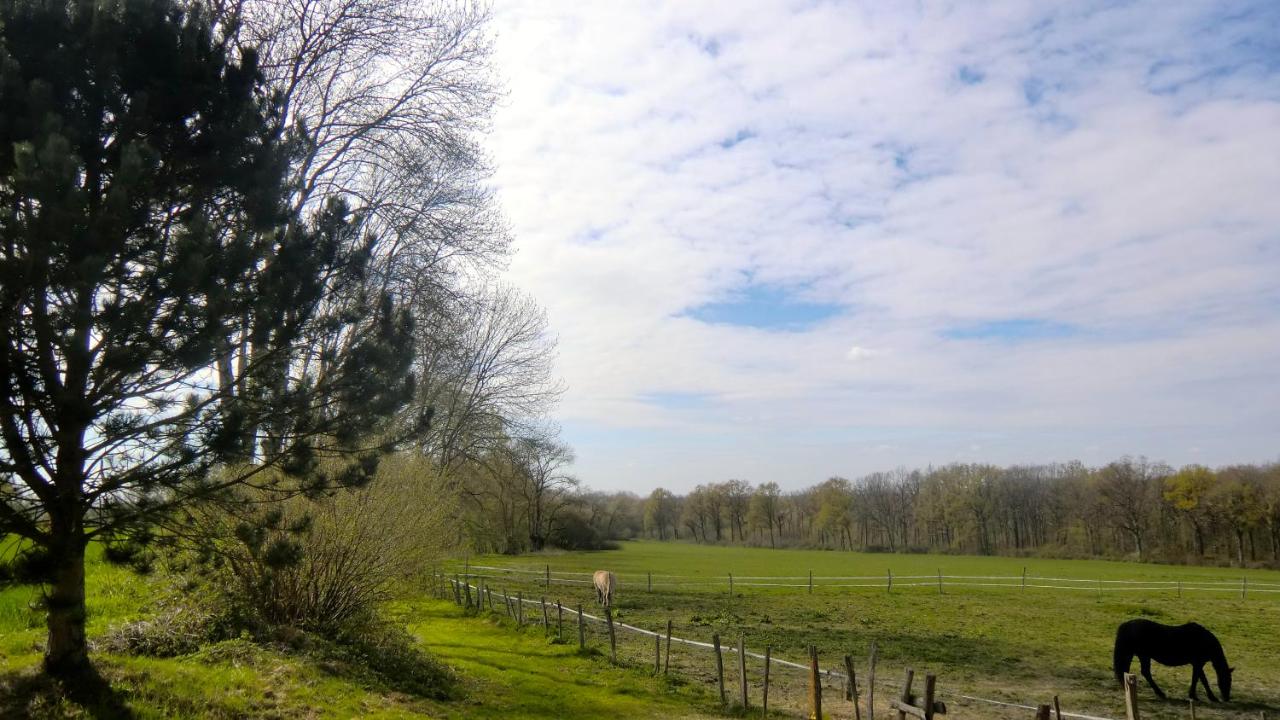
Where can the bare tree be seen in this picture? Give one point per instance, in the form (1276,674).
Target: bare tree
(485,368)
(383,100)
(1130,489)
(540,461)
(766,508)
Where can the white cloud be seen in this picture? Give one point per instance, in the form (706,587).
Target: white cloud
(653,158)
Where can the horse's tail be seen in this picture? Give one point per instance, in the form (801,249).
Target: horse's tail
(1121,656)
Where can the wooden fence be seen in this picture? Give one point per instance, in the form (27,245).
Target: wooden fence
(809,682)
(1242,588)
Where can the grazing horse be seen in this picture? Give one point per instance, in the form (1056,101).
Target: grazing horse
(1172,645)
(605,584)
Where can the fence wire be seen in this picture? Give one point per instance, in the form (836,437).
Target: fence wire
(687,657)
(1243,587)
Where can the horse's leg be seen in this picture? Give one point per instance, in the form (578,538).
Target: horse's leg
(1146,673)
(1204,679)
(1197,672)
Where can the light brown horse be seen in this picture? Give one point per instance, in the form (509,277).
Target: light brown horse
(605,584)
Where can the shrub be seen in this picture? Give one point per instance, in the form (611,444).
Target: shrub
(321,564)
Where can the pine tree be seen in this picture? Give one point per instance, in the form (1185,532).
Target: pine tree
(143,242)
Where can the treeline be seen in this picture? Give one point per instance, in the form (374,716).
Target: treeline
(1131,508)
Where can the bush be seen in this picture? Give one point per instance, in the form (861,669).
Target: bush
(320,565)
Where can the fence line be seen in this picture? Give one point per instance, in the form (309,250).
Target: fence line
(939,580)
(1028,707)
(772,659)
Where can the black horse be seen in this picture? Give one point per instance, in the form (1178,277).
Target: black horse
(1189,644)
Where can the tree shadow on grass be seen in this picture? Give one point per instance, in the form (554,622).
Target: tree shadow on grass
(34,694)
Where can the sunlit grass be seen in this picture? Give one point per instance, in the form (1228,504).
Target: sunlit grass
(501,672)
(1002,643)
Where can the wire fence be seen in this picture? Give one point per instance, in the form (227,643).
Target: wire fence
(1242,587)
(739,683)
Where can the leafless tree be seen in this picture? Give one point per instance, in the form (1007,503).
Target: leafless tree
(485,367)
(384,101)
(540,462)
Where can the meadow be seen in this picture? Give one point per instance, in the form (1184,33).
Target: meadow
(999,641)
(496,671)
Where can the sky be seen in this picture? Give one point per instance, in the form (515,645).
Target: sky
(780,241)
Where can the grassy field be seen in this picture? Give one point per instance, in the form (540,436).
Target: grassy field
(500,672)
(1001,643)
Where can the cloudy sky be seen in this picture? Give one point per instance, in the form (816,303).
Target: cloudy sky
(785,240)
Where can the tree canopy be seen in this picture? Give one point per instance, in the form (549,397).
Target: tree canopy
(146,237)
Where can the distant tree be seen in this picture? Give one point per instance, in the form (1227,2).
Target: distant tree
(737,500)
(766,508)
(714,499)
(660,511)
(1271,508)
(144,221)
(1237,502)
(835,511)
(694,513)
(1129,489)
(1188,491)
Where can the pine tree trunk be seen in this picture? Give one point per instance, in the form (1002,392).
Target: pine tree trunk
(67,654)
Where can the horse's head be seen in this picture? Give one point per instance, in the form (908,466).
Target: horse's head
(1224,683)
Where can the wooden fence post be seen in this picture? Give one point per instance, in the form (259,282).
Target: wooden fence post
(871,682)
(559,621)
(810,582)
(1024,577)
(582,630)
(1192,703)
(520,609)
(466,588)
(1244,587)
(742,669)
(715,641)
(731,589)
(815,685)
(666,664)
(905,698)
(548,576)
(613,640)
(764,702)
(457,591)
(1042,712)
(930,685)
(1057,708)
(1131,696)
(546,623)
(889,587)
(851,692)
(657,654)
(939,581)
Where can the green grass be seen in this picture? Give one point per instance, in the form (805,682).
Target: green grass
(1008,644)
(500,672)
(520,673)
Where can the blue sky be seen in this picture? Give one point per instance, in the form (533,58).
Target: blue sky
(832,238)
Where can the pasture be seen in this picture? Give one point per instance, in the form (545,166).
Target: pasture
(498,673)
(986,637)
